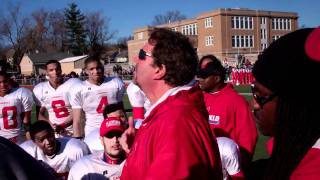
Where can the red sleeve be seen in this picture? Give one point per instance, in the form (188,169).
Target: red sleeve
(246,131)
(309,167)
(184,150)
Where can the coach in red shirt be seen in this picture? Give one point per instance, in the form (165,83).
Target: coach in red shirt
(229,113)
(175,140)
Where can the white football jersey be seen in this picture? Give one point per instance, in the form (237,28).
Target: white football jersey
(93,167)
(57,101)
(230,156)
(70,151)
(93,99)
(136,96)
(93,141)
(11,106)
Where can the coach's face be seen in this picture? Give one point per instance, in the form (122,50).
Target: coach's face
(145,67)
(94,71)
(264,106)
(111,144)
(54,72)
(46,141)
(4,85)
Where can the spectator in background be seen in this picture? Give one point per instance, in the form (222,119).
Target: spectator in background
(229,113)
(286,104)
(174,140)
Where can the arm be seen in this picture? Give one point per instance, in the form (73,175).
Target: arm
(41,113)
(77,129)
(246,133)
(26,120)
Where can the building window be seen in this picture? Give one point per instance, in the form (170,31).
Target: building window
(208,22)
(190,29)
(275,37)
(263,20)
(242,41)
(174,29)
(209,40)
(281,24)
(263,46)
(241,22)
(140,35)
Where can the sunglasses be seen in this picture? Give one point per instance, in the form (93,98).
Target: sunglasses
(261,100)
(143,54)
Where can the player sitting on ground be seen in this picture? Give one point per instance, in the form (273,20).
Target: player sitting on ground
(110,111)
(105,164)
(60,153)
(15,110)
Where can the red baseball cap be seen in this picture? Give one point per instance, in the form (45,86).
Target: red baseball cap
(111,124)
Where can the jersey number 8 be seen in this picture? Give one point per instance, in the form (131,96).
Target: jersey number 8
(59,108)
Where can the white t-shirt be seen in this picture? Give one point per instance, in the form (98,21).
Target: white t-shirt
(11,106)
(230,156)
(57,101)
(93,99)
(93,167)
(70,151)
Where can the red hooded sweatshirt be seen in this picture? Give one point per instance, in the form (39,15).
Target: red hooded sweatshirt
(175,140)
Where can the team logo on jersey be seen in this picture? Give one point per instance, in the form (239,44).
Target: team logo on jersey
(213,119)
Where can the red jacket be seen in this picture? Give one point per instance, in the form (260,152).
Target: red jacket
(175,142)
(230,116)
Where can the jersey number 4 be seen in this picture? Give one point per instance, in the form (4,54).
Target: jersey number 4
(59,108)
(102,104)
(9,120)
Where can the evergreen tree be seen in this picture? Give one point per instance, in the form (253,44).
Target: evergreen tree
(76,35)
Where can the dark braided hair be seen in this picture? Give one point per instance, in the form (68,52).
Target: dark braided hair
(297,130)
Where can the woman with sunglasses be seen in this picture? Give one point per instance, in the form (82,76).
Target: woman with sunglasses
(286,105)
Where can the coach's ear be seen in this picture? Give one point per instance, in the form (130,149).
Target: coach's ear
(160,72)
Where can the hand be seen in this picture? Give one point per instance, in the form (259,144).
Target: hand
(28,137)
(58,128)
(127,137)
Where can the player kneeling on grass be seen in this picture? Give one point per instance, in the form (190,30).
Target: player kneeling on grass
(110,111)
(15,109)
(105,164)
(59,153)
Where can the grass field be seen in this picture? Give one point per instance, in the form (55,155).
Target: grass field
(260,151)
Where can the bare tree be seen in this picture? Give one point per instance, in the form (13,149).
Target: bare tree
(13,29)
(40,30)
(168,17)
(122,42)
(57,30)
(98,32)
